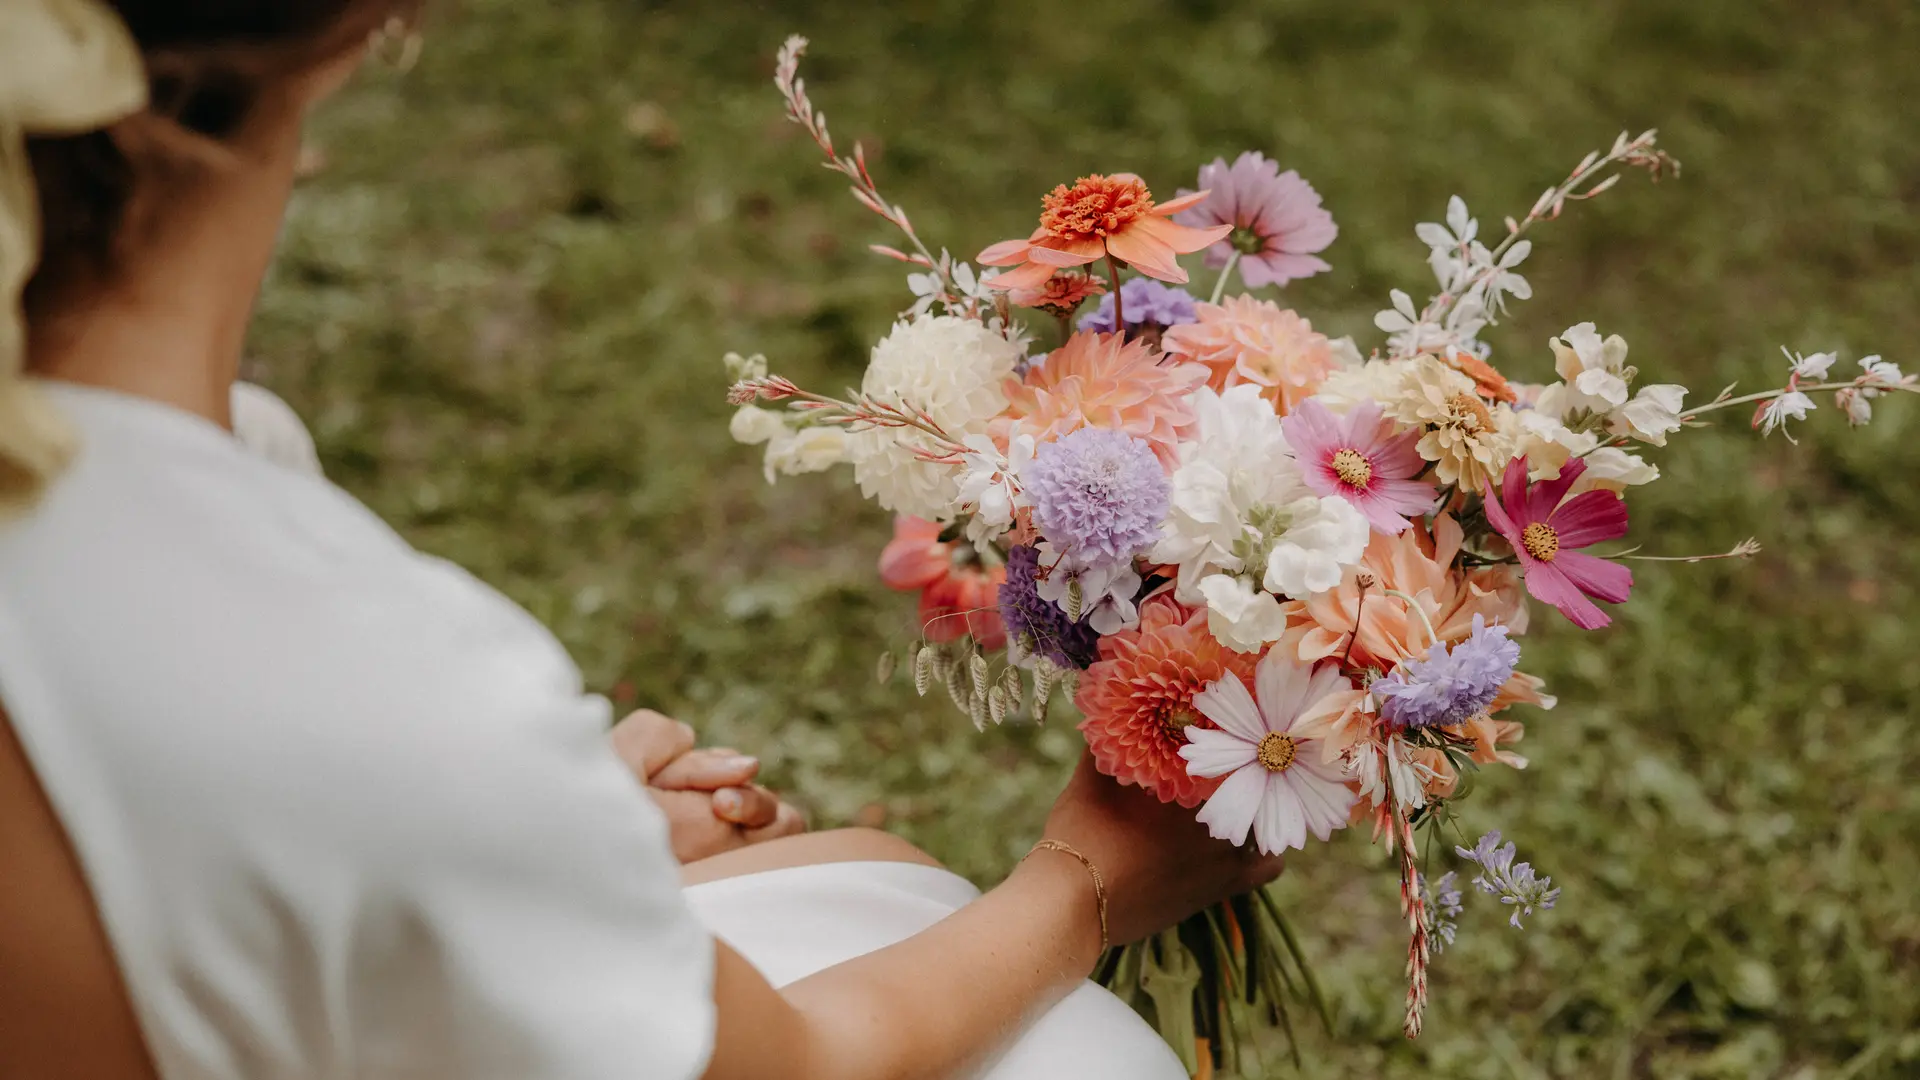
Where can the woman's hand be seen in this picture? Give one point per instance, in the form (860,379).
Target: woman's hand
(707,794)
(1158,861)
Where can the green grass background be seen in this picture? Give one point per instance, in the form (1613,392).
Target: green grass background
(504,295)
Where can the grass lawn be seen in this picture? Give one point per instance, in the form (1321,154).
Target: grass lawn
(505,291)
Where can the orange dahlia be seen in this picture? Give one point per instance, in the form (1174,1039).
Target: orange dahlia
(1138,697)
(1102,216)
(1244,340)
(1101,380)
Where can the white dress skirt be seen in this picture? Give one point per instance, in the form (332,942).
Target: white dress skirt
(793,922)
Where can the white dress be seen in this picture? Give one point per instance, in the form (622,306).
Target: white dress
(347,812)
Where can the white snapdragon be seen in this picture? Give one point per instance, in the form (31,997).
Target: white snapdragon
(752,425)
(1239,616)
(1322,537)
(1594,371)
(1614,468)
(1236,460)
(806,450)
(1652,415)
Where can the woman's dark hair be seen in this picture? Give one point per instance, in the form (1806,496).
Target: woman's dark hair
(209,62)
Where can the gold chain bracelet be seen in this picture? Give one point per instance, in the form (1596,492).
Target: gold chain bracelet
(1099,880)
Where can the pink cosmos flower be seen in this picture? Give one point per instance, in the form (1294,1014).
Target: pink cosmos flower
(1359,458)
(1276,217)
(1545,532)
(1276,781)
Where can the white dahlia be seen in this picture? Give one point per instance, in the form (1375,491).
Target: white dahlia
(949,368)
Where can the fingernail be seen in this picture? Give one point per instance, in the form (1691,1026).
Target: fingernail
(685,728)
(742,762)
(728,801)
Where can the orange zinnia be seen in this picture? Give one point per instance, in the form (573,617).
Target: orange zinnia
(1103,216)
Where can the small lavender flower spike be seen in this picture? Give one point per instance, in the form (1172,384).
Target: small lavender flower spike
(1449,687)
(1514,883)
(1442,899)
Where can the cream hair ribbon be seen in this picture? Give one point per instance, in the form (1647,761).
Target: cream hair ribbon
(66,67)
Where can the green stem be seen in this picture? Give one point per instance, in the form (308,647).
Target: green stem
(1220,287)
(1414,606)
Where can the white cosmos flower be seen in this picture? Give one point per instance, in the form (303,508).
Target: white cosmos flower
(1651,415)
(1277,787)
(1547,443)
(952,369)
(1594,370)
(989,486)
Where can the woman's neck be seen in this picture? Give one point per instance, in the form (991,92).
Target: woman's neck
(172,324)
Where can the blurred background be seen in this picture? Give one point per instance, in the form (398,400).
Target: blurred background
(511,272)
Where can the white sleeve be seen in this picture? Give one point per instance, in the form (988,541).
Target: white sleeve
(534,927)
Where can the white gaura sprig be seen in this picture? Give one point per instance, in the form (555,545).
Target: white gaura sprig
(1476,280)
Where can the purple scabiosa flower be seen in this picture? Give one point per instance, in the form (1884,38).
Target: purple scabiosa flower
(1037,624)
(1514,883)
(1099,495)
(1448,687)
(1441,897)
(1146,302)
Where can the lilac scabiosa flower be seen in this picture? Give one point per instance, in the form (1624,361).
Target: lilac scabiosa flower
(1146,302)
(1514,883)
(1441,898)
(1449,687)
(1278,222)
(1098,495)
(1037,625)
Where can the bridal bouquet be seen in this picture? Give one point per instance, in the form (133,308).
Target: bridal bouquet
(1282,579)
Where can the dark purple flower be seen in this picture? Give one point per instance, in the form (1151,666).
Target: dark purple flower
(1038,625)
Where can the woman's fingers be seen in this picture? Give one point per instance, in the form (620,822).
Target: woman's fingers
(707,769)
(786,822)
(750,807)
(648,741)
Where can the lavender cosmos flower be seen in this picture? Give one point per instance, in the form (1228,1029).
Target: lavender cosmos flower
(1278,222)
(1514,883)
(1442,899)
(1037,624)
(1098,495)
(1449,687)
(1146,302)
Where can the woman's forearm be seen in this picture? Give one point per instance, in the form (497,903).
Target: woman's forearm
(924,1007)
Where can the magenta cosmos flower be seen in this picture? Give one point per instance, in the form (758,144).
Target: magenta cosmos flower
(1545,532)
(1359,458)
(1278,222)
